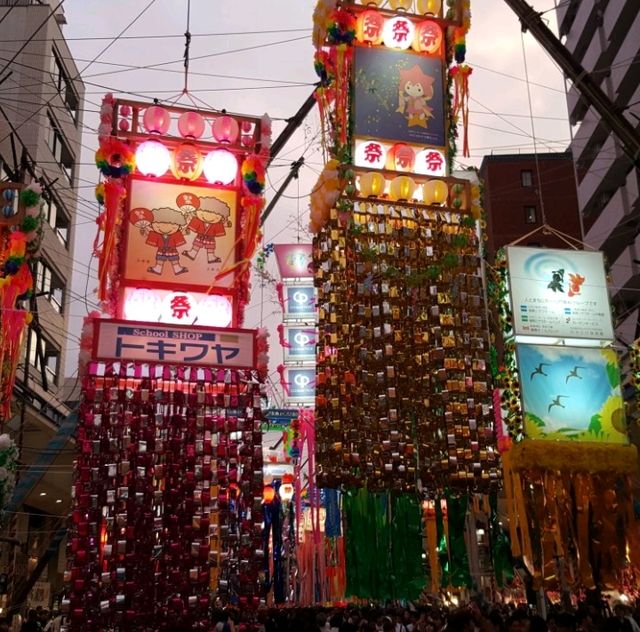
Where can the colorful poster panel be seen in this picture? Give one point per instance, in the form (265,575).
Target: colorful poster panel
(559,293)
(399,96)
(179,236)
(571,393)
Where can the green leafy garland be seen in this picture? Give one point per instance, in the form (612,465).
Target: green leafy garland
(8,468)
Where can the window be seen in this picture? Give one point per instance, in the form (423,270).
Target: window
(57,217)
(526,178)
(49,284)
(530,215)
(63,85)
(49,354)
(59,149)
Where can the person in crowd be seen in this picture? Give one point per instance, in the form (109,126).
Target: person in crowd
(32,624)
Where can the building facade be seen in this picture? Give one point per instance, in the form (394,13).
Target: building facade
(518,193)
(40,132)
(604,37)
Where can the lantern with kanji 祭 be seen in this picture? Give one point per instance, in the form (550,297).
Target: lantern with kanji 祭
(369,27)
(401,157)
(398,32)
(225,129)
(187,162)
(430,162)
(156,120)
(428,38)
(370,153)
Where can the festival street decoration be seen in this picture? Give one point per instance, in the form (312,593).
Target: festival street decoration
(167,504)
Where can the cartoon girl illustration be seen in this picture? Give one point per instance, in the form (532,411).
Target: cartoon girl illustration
(208,220)
(163,228)
(416,88)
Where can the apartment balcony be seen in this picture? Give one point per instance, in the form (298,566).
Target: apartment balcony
(582,29)
(624,66)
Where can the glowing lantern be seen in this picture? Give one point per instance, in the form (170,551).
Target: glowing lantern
(268,494)
(220,167)
(152,158)
(430,162)
(156,120)
(425,7)
(402,188)
(178,308)
(187,162)
(398,32)
(286,491)
(402,157)
(402,5)
(372,3)
(225,129)
(215,311)
(369,27)
(141,305)
(371,184)
(434,192)
(370,153)
(191,125)
(428,38)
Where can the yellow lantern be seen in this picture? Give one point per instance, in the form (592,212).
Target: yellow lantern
(402,188)
(186,162)
(428,7)
(371,184)
(372,3)
(402,5)
(434,192)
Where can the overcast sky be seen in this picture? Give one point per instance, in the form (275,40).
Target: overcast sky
(246,69)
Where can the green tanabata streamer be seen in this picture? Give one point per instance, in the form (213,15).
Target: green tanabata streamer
(383,545)
(454,560)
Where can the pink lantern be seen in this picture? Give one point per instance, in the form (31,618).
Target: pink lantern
(225,129)
(428,38)
(247,141)
(123,125)
(220,167)
(403,157)
(156,120)
(191,125)
(152,158)
(246,127)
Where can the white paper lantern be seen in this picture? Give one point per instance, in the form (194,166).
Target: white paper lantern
(370,154)
(152,158)
(215,311)
(141,305)
(398,33)
(220,167)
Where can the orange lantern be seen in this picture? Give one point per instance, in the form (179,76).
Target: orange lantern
(225,129)
(268,494)
(402,188)
(369,27)
(156,120)
(187,162)
(428,38)
(401,157)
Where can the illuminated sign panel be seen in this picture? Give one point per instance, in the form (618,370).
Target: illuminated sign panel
(301,343)
(559,293)
(301,384)
(571,393)
(300,302)
(179,235)
(116,340)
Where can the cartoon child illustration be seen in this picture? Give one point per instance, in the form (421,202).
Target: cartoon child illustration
(416,88)
(163,228)
(208,221)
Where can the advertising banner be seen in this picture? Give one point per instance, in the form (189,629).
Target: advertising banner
(399,96)
(301,343)
(300,303)
(571,393)
(559,293)
(301,384)
(117,340)
(294,260)
(179,235)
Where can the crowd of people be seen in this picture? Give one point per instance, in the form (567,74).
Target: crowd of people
(619,617)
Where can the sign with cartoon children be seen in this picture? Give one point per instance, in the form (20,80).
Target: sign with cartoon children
(399,96)
(180,236)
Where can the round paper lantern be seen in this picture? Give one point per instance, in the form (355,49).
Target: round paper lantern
(428,7)
(371,153)
(369,27)
(402,157)
(215,311)
(187,162)
(428,38)
(156,120)
(398,32)
(191,125)
(400,5)
(141,305)
(371,184)
(402,188)
(225,129)
(152,158)
(434,192)
(220,167)
(372,3)
(286,491)
(268,494)
(430,162)
(178,308)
